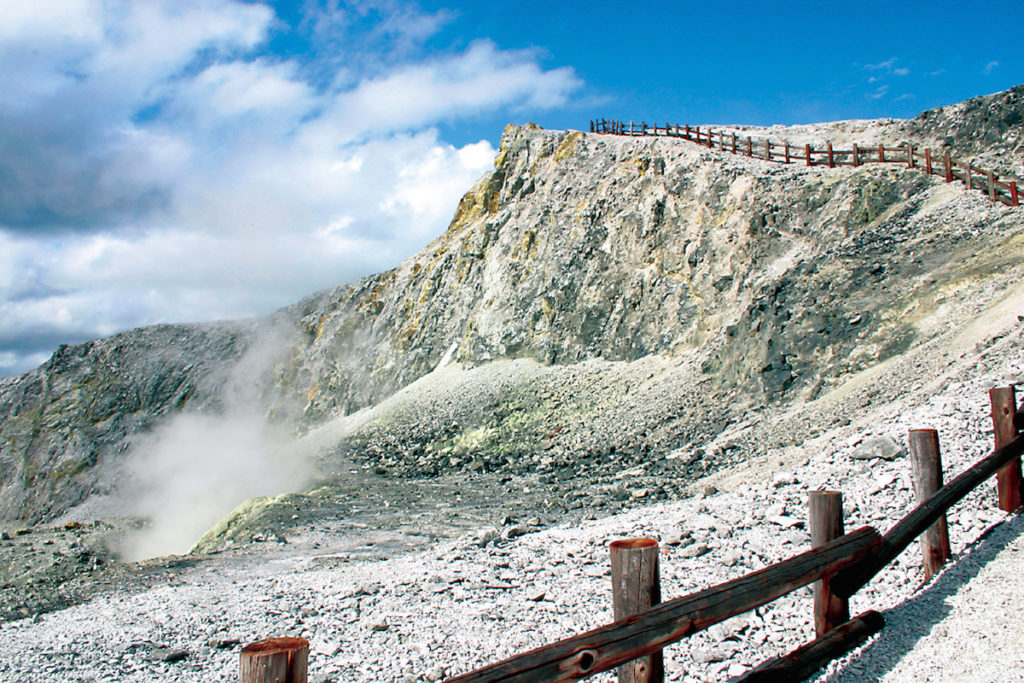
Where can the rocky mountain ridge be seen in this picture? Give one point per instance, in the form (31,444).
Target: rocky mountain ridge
(597,303)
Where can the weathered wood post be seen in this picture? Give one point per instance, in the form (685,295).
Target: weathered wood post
(787,152)
(734,143)
(831,158)
(991,177)
(767,150)
(826,524)
(910,155)
(881,152)
(855,155)
(636,587)
(948,165)
(807,154)
(749,147)
(969,178)
(927,467)
(275,660)
(1014,200)
(1008,479)
(928,160)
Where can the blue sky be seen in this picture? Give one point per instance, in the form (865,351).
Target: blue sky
(188,160)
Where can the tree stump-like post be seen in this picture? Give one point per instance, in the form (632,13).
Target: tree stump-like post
(826,524)
(1008,479)
(636,587)
(927,466)
(275,660)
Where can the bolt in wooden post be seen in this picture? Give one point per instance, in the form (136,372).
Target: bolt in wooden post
(826,524)
(1008,479)
(636,587)
(927,467)
(275,660)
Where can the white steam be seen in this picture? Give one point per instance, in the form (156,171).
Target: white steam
(195,468)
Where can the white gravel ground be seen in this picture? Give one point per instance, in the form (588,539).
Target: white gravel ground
(468,602)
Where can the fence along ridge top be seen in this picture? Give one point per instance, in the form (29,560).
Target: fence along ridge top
(924,160)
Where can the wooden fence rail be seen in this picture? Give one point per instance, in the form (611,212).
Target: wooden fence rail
(643,634)
(949,168)
(841,567)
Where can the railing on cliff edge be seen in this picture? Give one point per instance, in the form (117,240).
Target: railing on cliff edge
(943,165)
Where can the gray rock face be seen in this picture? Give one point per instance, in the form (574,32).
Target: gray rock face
(597,302)
(77,410)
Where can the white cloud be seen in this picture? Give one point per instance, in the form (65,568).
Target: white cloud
(161,166)
(991,66)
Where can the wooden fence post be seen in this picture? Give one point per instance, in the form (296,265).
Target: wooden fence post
(881,152)
(1008,479)
(807,154)
(787,152)
(767,150)
(910,155)
(275,660)
(831,159)
(734,144)
(636,587)
(1014,200)
(969,179)
(927,467)
(949,167)
(928,160)
(826,524)
(991,185)
(749,152)
(856,155)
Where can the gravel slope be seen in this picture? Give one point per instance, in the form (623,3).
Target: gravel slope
(466,602)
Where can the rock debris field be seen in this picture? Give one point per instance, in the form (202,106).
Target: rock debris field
(427,614)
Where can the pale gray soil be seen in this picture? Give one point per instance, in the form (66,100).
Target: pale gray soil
(458,604)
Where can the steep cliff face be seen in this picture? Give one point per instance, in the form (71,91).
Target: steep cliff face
(596,301)
(583,246)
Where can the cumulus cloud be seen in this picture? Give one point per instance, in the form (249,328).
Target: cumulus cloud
(159,162)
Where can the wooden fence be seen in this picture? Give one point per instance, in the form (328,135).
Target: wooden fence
(840,563)
(943,165)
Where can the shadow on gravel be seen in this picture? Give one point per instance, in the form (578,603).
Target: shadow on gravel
(914,619)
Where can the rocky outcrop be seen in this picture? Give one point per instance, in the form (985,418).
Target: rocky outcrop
(597,301)
(62,421)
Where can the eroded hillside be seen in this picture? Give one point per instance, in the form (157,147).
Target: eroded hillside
(597,303)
